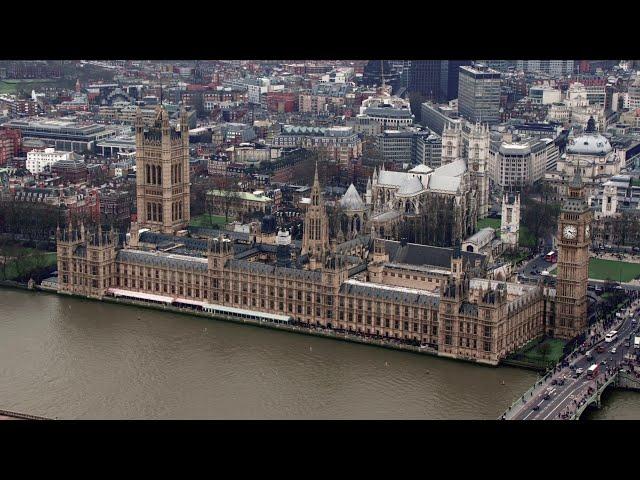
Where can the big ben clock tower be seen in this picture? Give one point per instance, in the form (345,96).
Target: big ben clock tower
(574,236)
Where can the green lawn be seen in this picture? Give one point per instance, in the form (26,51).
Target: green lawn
(535,353)
(9,88)
(29,263)
(526,239)
(206,220)
(489,222)
(612,269)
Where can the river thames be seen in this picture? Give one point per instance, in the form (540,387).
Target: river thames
(70,358)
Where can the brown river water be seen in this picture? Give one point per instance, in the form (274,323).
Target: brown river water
(70,358)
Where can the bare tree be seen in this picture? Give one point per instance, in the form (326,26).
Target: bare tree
(228,197)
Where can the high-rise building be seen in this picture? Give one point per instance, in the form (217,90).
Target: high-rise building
(479,94)
(449,79)
(574,236)
(424,78)
(377,70)
(554,68)
(162,173)
(436,80)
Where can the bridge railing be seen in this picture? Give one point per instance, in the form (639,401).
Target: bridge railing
(594,398)
(23,416)
(540,384)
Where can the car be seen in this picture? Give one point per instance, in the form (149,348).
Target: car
(561,382)
(633,321)
(603,362)
(554,382)
(580,371)
(536,408)
(546,396)
(614,350)
(572,367)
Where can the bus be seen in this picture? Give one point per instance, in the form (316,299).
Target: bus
(592,371)
(551,257)
(611,336)
(636,343)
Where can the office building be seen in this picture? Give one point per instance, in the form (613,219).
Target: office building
(479,94)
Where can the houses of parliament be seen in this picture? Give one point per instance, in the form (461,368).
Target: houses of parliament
(440,298)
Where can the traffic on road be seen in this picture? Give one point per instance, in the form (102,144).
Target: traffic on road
(564,390)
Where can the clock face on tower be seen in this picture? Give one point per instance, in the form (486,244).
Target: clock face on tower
(570,232)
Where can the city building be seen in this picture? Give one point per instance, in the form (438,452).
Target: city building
(514,164)
(341,144)
(593,155)
(409,146)
(544,95)
(39,160)
(437,117)
(553,68)
(71,170)
(237,204)
(10,144)
(65,135)
(390,112)
(479,94)
(436,80)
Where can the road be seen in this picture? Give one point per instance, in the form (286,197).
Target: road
(562,400)
(539,264)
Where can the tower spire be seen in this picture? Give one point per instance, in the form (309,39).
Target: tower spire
(315,176)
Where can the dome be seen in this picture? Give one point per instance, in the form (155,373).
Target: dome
(591,144)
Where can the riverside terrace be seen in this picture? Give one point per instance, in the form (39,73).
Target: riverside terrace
(381,290)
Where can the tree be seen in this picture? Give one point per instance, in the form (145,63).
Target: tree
(228,197)
(541,219)
(6,250)
(544,349)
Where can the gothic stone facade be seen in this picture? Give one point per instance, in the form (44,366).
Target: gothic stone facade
(162,173)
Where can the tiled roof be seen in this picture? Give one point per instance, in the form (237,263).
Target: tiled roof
(389,293)
(274,271)
(161,259)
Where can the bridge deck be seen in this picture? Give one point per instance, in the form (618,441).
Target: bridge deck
(562,394)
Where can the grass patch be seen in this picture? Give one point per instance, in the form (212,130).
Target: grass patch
(489,222)
(549,350)
(612,269)
(7,88)
(206,220)
(526,238)
(34,260)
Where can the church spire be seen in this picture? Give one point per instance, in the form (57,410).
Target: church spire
(316,182)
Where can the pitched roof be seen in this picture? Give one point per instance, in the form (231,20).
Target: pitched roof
(411,186)
(351,200)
